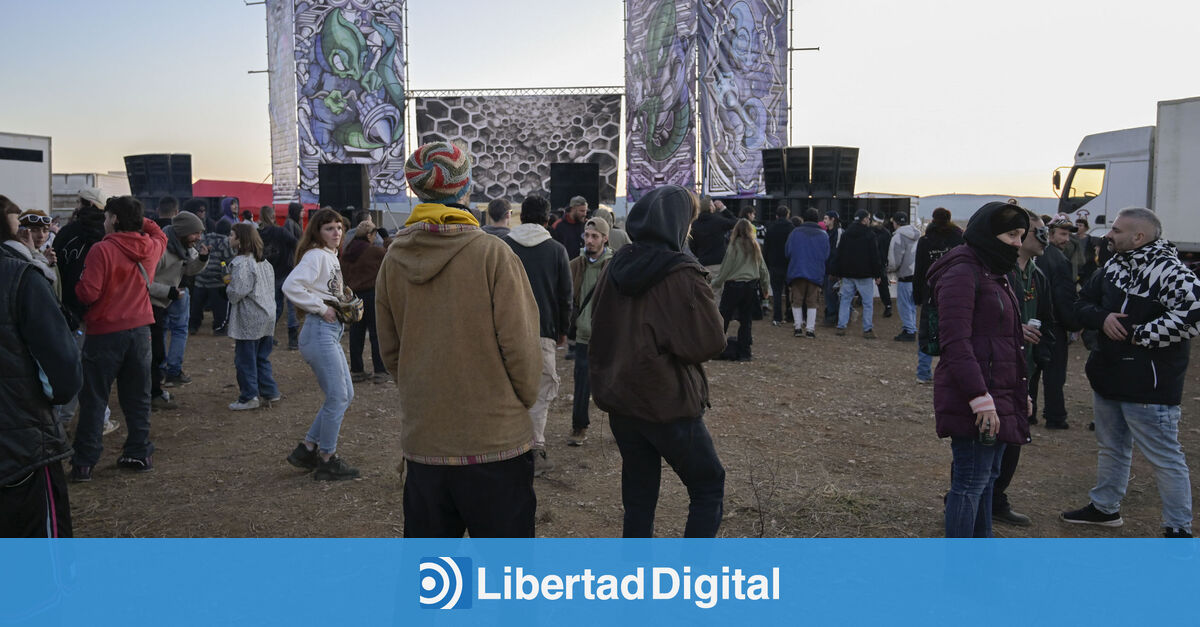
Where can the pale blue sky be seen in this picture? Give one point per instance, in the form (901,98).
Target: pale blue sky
(941,95)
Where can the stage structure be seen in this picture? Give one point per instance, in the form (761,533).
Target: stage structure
(281,64)
(660,94)
(743,91)
(350,81)
(514,138)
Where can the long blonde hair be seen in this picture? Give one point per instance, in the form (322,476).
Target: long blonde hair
(743,237)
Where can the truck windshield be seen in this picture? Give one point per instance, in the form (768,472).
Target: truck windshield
(1083,184)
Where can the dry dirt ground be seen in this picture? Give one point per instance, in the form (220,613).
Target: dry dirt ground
(828,437)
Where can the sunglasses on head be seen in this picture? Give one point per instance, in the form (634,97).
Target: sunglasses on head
(35,219)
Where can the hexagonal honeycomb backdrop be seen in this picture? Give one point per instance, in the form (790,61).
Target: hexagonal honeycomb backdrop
(514,139)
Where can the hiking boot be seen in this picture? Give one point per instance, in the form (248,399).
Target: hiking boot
(110,426)
(810,335)
(136,464)
(578,437)
(174,380)
(1172,532)
(905,336)
(166,401)
(244,405)
(80,474)
(304,457)
(540,463)
(1091,516)
(869,335)
(334,470)
(840,332)
(358,377)
(1011,517)
(293,339)
(381,377)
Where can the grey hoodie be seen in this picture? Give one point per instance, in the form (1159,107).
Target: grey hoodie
(902,253)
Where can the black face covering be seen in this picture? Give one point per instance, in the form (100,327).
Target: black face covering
(991,220)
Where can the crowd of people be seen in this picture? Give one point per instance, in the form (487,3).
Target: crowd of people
(112,297)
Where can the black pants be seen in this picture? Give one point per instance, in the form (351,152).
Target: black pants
(1054,378)
(493,500)
(885,291)
(738,301)
(358,333)
(158,352)
(583,389)
(688,448)
(123,356)
(36,506)
(781,308)
(1008,468)
(208,298)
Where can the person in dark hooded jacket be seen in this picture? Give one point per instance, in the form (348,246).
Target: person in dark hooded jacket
(648,376)
(940,237)
(981,396)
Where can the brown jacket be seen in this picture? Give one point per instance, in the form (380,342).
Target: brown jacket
(458,327)
(360,264)
(645,353)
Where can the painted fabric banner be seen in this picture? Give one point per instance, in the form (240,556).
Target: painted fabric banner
(660,77)
(514,139)
(350,77)
(743,91)
(281,72)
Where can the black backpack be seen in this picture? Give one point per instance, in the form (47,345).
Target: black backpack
(929,341)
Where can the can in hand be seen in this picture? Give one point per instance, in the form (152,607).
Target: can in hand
(1035,323)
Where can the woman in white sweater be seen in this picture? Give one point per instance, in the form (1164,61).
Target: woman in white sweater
(251,292)
(315,281)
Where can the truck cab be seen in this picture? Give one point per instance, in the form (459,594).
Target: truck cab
(1112,171)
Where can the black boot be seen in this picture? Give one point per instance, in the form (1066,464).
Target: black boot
(293,338)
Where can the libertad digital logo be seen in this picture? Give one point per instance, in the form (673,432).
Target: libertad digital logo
(443,581)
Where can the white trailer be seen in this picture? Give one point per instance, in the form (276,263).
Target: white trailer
(25,170)
(1151,166)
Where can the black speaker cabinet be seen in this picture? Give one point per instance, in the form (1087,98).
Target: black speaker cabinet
(568,180)
(796,164)
(847,171)
(343,185)
(158,175)
(775,172)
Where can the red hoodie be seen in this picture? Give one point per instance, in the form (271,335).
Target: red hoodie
(111,286)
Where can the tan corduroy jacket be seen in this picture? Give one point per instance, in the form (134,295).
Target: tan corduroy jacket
(458,328)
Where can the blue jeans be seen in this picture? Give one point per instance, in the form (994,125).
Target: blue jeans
(252,359)
(175,327)
(1155,430)
(831,299)
(973,474)
(864,288)
(924,366)
(688,448)
(321,347)
(908,306)
(281,302)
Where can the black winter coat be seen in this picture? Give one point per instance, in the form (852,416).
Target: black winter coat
(550,278)
(34,338)
(708,236)
(1058,272)
(858,253)
(932,245)
(775,243)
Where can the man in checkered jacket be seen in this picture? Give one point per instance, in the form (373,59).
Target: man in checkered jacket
(1146,304)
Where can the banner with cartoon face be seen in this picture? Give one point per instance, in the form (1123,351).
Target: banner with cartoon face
(350,83)
(743,91)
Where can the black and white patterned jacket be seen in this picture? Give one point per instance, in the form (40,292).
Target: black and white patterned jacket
(1161,300)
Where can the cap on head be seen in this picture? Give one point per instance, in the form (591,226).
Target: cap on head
(439,172)
(598,224)
(861,214)
(93,196)
(900,219)
(831,214)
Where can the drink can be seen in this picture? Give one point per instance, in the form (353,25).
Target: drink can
(1035,323)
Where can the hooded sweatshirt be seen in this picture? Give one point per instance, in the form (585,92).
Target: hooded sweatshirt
(178,260)
(458,327)
(651,369)
(71,245)
(112,288)
(902,253)
(545,262)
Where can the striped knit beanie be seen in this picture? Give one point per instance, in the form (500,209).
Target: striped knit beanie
(439,172)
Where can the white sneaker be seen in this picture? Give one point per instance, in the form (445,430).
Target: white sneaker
(110,426)
(242,406)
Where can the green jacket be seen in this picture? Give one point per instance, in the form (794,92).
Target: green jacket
(739,266)
(584,276)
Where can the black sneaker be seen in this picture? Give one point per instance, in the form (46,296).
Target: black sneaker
(887,312)
(1172,532)
(1091,516)
(334,470)
(1011,517)
(136,464)
(174,380)
(905,336)
(810,335)
(797,333)
(304,458)
(80,474)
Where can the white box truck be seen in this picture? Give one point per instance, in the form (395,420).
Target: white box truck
(25,170)
(1151,166)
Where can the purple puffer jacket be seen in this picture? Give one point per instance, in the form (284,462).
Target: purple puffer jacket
(980,336)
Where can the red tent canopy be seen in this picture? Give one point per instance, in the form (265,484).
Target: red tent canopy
(250,196)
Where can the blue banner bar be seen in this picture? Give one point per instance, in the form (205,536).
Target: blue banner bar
(567,582)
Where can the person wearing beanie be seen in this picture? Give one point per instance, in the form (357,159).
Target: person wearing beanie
(185,255)
(981,395)
(470,366)
(649,376)
(940,236)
